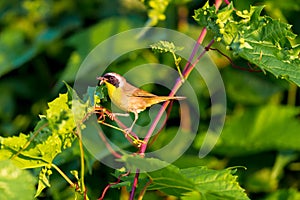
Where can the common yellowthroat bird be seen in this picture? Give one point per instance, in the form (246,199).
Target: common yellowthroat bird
(128,97)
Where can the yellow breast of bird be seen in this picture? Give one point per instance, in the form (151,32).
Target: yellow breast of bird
(117,96)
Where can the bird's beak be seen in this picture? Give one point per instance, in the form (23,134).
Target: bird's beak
(101,79)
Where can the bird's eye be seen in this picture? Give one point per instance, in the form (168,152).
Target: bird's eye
(113,80)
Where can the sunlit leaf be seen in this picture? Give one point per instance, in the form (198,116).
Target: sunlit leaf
(53,133)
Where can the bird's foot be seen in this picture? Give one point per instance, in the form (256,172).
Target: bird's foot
(112,116)
(127,131)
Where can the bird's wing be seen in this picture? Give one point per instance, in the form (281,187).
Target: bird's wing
(142,93)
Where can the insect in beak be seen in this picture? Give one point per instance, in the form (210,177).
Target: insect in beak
(101,79)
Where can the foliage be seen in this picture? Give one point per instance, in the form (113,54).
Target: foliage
(261,40)
(189,182)
(43,43)
(53,134)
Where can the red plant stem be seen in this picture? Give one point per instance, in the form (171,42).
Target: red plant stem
(111,184)
(234,65)
(187,70)
(196,47)
(227,2)
(135,182)
(177,85)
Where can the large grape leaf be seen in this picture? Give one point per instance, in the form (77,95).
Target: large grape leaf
(54,132)
(190,182)
(261,40)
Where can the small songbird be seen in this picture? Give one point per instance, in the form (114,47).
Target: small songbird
(128,97)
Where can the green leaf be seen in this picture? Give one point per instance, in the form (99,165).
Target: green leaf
(15,183)
(30,158)
(61,118)
(261,40)
(171,180)
(262,129)
(165,46)
(54,132)
(60,114)
(215,183)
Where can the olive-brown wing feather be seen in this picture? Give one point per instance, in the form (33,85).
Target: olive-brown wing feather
(141,99)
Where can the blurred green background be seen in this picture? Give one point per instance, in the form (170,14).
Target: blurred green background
(43,43)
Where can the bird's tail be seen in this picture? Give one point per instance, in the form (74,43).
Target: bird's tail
(159,99)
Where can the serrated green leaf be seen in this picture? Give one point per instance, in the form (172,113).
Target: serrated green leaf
(261,40)
(61,118)
(182,182)
(53,133)
(37,154)
(215,183)
(165,46)
(261,129)
(206,182)
(15,183)
(59,111)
